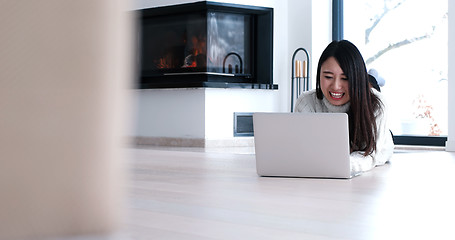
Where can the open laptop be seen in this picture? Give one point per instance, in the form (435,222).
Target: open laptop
(302,145)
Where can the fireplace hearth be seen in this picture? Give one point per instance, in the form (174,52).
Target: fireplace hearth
(206,44)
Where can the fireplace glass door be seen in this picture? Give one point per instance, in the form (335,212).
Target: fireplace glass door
(208,42)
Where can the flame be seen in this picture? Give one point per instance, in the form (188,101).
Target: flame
(165,62)
(198,47)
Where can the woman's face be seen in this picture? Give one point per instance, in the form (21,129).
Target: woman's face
(334,84)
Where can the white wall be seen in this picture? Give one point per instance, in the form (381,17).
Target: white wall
(220,105)
(322,31)
(173,113)
(140,4)
(310,27)
(450,145)
(299,36)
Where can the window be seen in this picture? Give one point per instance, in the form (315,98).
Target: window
(407,43)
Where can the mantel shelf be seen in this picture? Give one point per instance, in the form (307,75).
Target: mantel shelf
(209,85)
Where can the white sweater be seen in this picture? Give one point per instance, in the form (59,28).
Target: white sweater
(308,102)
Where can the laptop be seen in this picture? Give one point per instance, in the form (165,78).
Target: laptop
(313,145)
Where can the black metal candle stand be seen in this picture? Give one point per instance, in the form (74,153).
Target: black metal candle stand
(299,83)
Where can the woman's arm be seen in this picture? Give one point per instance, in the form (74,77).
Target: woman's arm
(384,145)
(361,163)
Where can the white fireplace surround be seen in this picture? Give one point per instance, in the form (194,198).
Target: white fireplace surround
(197,117)
(204,117)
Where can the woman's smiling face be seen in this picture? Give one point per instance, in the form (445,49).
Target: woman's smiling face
(334,84)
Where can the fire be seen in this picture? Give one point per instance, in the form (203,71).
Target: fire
(193,64)
(199,48)
(164,62)
(196,56)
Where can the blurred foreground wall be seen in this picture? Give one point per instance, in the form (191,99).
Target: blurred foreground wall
(64,73)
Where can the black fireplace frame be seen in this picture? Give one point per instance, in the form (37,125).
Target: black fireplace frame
(262,54)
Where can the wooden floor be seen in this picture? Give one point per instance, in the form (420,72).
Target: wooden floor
(217,195)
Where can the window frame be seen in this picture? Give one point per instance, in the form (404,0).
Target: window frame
(338,34)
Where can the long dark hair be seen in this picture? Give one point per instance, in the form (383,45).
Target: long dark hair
(363,103)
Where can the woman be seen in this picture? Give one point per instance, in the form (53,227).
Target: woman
(342,85)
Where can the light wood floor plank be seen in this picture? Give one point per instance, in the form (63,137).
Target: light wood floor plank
(186,195)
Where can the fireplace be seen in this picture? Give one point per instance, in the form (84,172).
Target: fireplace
(206,44)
